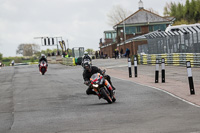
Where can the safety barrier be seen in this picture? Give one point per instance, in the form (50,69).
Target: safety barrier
(176,59)
(54,59)
(69,61)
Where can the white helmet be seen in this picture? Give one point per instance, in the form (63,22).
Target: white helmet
(85,53)
(42,55)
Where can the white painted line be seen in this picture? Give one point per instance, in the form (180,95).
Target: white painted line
(164,92)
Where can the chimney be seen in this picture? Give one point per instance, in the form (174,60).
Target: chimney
(140,4)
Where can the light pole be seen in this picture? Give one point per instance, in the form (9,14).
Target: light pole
(124,32)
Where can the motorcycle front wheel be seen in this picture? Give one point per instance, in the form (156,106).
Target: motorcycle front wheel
(106,96)
(43,71)
(114,99)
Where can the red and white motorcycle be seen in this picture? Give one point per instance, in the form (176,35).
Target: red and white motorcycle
(43,67)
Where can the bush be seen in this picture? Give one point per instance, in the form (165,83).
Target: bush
(32,59)
(18,60)
(7,59)
(1,56)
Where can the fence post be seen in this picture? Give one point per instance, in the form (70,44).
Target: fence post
(157,71)
(129,68)
(190,78)
(135,66)
(163,70)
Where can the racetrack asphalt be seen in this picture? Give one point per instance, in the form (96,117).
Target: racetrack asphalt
(57,103)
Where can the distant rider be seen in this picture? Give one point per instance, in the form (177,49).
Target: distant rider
(13,62)
(43,58)
(88,72)
(86,58)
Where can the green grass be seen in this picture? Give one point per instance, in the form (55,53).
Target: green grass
(7,62)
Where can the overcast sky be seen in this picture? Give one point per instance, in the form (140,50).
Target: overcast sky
(82,22)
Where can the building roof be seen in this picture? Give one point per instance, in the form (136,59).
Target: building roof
(113,31)
(169,18)
(137,38)
(145,16)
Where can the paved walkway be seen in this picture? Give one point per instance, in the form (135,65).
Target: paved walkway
(176,79)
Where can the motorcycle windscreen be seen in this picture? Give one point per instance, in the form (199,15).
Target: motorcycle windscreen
(94,76)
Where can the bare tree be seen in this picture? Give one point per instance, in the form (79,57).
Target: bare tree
(153,11)
(117,14)
(27,49)
(35,48)
(20,49)
(167,9)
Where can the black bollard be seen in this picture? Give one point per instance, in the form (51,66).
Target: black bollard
(190,78)
(129,68)
(135,66)
(157,71)
(163,70)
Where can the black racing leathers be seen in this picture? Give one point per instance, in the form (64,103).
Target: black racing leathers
(43,59)
(87,74)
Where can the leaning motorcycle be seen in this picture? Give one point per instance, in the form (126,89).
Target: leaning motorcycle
(43,67)
(97,82)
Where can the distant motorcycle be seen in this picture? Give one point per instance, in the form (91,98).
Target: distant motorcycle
(43,67)
(98,83)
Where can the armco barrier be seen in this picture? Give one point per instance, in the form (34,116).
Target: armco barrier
(68,61)
(176,59)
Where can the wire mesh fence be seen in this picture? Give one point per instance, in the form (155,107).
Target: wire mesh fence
(182,40)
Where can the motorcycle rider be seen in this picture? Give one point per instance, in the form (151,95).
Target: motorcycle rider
(85,58)
(13,62)
(43,58)
(88,72)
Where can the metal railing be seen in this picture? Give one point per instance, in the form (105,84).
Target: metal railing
(180,40)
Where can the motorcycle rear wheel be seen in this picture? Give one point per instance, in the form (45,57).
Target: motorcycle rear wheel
(106,96)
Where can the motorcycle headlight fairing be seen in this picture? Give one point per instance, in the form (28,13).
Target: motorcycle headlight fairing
(95,85)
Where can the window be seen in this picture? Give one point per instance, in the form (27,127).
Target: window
(114,36)
(138,29)
(130,30)
(108,36)
(151,28)
(161,27)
